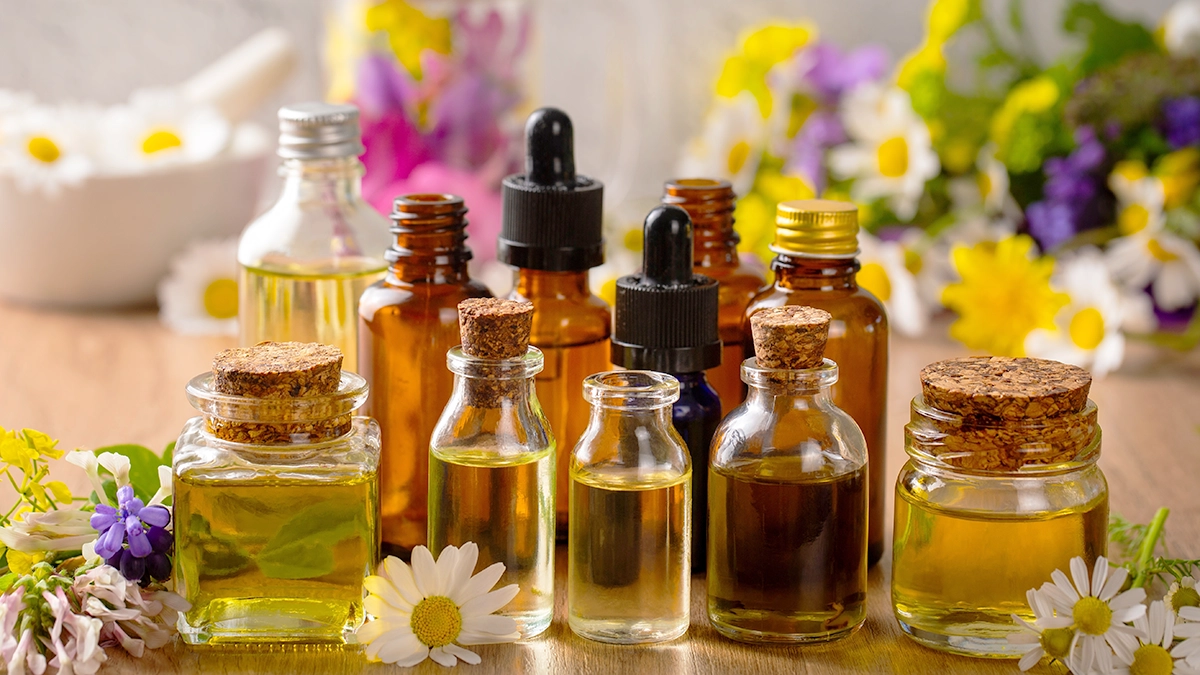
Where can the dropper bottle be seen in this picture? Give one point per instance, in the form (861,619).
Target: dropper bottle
(552,233)
(666,321)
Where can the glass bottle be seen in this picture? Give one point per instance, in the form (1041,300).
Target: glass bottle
(710,204)
(787,545)
(491,463)
(552,234)
(816,244)
(666,321)
(305,262)
(629,541)
(407,322)
(276,515)
(1024,487)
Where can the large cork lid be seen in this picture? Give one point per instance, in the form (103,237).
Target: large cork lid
(492,328)
(1005,387)
(791,337)
(278,370)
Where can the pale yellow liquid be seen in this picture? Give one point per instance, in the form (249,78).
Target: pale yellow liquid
(310,303)
(629,557)
(506,506)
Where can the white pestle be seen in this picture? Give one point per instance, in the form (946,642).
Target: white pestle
(242,80)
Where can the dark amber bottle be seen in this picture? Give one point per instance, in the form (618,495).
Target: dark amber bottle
(816,247)
(710,204)
(407,323)
(552,233)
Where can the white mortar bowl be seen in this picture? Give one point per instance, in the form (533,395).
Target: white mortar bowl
(108,241)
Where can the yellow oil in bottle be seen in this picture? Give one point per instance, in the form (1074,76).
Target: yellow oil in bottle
(948,595)
(506,506)
(629,568)
(306,303)
(787,559)
(276,560)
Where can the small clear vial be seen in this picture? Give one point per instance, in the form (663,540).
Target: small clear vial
(629,541)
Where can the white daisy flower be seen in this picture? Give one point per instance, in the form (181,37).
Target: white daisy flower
(731,145)
(1088,330)
(1155,652)
(1048,635)
(885,274)
(891,155)
(1166,262)
(986,190)
(199,296)
(12,102)
(1182,593)
(46,148)
(160,126)
(432,608)
(1189,649)
(1097,612)
(1181,28)
(1139,199)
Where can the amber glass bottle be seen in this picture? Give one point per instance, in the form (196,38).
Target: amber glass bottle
(710,204)
(816,247)
(552,234)
(407,323)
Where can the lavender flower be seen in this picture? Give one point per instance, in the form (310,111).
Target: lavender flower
(1181,121)
(829,72)
(1071,185)
(821,131)
(143,527)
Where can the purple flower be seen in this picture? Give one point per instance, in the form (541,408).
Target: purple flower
(1181,121)
(1071,186)
(142,527)
(821,131)
(1051,223)
(829,72)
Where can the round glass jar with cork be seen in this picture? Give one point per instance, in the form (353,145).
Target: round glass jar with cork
(276,498)
(1002,457)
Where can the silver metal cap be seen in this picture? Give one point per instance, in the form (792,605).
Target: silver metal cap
(318,131)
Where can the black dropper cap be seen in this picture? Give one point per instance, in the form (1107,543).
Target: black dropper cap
(667,316)
(552,216)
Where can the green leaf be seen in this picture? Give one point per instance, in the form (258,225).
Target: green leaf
(143,467)
(1108,39)
(7,581)
(219,556)
(303,547)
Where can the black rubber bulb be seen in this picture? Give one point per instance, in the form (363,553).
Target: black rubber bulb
(667,247)
(549,148)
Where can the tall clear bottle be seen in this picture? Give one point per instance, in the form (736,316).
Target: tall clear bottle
(629,545)
(816,247)
(305,262)
(552,234)
(407,322)
(491,458)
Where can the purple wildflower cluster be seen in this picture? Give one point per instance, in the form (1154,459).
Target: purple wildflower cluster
(1181,121)
(133,537)
(1071,184)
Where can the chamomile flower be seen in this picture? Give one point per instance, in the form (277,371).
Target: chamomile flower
(1098,613)
(1182,593)
(430,609)
(199,296)
(890,155)
(1166,262)
(1155,652)
(47,148)
(1048,636)
(162,127)
(1140,198)
(885,274)
(731,145)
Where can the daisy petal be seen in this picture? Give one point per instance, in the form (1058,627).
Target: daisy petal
(466,655)
(425,572)
(478,585)
(378,607)
(404,651)
(1115,581)
(1060,600)
(1099,574)
(1031,658)
(1064,584)
(496,625)
(1130,598)
(468,557)
(1186,630)
(471,638)
(447,560)
(1079,574)
(1190,613)
(379,587)
(402,578)
(440,655)
(489,602)
(1186,649)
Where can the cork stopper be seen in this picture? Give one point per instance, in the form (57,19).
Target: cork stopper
(278,370)
(791,337)
(1005,388)
(492,328)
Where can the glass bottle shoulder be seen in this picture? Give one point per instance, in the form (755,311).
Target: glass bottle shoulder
(997,496)
(560,320)
(403,299)
(513,432)
(632,451)
(346,235)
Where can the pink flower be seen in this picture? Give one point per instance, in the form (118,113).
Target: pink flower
(134,618)
(74,639)
(24,656)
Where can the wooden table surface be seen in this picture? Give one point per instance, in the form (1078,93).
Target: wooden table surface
(93,379)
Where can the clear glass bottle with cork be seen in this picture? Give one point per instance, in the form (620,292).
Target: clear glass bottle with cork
(816,249)
(491,463)
(666,321)
(787,543)
(1002,458)
(710,203)
(305,262)
(407,322)
(629,543)
(552,233)
(276,498)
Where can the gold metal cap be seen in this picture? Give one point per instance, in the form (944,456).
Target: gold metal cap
(816,227)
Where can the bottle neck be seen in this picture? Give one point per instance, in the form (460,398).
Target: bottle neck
(569,286)
(804,387)
(821,274)
(710,205)
(328,182)
(430,240)
(495,383)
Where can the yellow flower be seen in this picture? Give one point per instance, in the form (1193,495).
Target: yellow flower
(762,50)
(16,452)
(1032,96)
(924,60)
(1179,172)
(22,562)
(947,17)
(1004,294)
(43,444)
(755,213)
(410,32)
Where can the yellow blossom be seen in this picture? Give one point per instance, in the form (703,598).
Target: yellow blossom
(410,32)
(947,17)
(926,59)
(16,452)
(762,50)
(755,213)
(43,444)
(21,562)
(1179,173)
(1004,294)
(1032,96)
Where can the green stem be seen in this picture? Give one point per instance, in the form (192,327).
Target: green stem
(1153,534)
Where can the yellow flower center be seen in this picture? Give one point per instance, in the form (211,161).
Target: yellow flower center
(1092,616)
(913,262)
(1160,253)
(874,278)
(160,140)
(633,239)
(1057,642)
(893,157)
(1151,660)
(738,154)
(436,621)
(43,149)
(1087,328)
(1185,597)
(985,184)
(1133,218)
(221,299)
